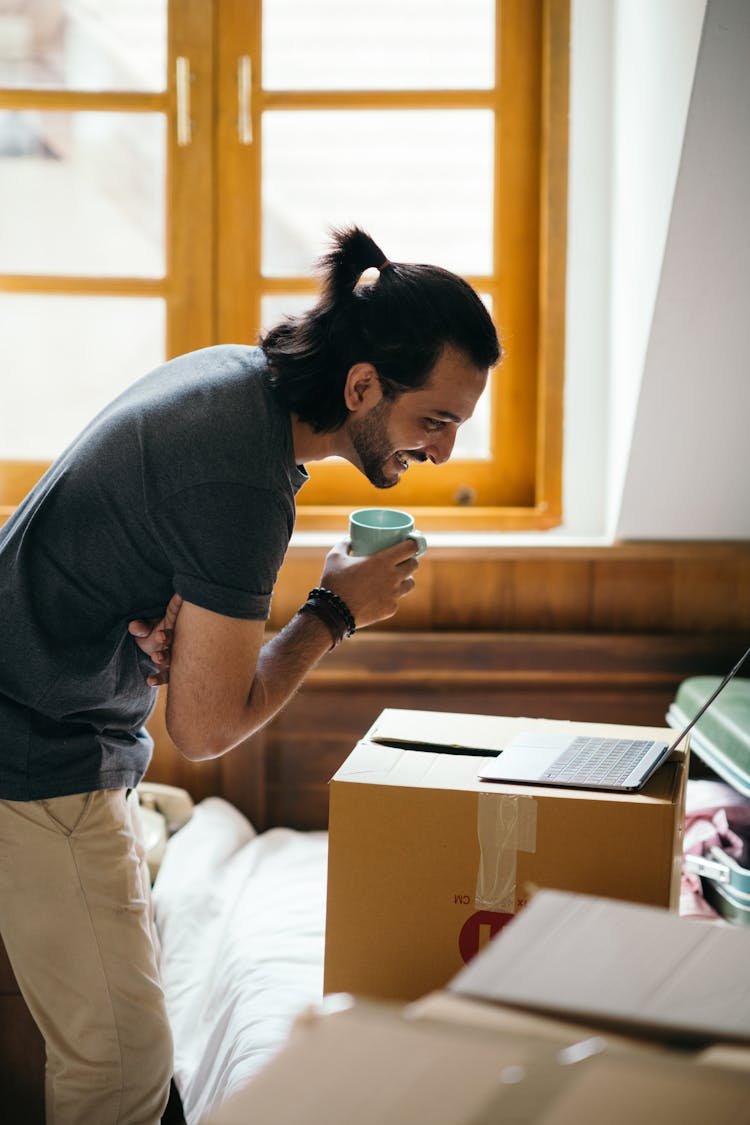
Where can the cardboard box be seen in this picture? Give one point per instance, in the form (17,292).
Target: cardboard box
(375,1065)
(448,1005)
(618,966)
(426,862)
(463,1057)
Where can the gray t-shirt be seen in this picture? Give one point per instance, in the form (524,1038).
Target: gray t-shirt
(185,483)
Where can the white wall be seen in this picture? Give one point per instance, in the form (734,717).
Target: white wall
(632,67)
(655,51)
(688,471)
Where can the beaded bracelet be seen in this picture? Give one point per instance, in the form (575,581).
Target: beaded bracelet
(338,604)
(332,611)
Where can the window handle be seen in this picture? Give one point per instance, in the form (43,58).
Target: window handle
(182,81)
(245,100)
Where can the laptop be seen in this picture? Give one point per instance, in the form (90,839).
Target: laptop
(587,761)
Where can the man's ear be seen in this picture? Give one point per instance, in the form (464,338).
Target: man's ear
(362,387)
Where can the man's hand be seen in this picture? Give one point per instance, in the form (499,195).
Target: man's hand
(154,637)
(371,585)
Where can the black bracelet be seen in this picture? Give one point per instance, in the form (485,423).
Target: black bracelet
(332,611)
(346,615)
(329,617)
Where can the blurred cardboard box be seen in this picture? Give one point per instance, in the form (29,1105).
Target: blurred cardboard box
(463,1056)
(427,863)
(375,1065)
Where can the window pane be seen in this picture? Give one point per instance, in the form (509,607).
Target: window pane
(420,181)
(474,439)
(83,44)
(64,358)
(361,45)
(82,193)
(273,309)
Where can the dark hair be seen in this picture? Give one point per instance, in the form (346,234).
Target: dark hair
(400,323)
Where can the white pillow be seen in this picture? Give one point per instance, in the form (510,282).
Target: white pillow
(242,919)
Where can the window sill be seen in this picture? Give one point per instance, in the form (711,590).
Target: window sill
(449,544)
(468,540)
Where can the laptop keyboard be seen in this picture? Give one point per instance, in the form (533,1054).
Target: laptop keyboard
(598,761)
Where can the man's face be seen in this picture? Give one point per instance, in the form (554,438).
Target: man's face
(388,434)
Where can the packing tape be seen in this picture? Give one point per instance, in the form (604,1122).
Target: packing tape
(506,824)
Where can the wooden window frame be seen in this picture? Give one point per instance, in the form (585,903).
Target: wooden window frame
(213,284)
(189,236)
(186,286)
(522,488)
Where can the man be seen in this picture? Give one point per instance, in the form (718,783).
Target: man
(181,494)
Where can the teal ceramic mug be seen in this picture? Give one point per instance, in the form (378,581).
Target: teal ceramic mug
(374,529)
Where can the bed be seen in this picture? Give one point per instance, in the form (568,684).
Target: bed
(241,917)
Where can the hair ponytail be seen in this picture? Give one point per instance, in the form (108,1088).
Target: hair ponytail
(399,323)
(352,252)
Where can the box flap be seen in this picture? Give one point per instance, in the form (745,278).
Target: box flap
(374,1067)
(446,729)
(483,734)
(373,763)
(618,965)
(449,1007)
(446,750)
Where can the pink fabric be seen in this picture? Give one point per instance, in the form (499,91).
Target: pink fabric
(715,815)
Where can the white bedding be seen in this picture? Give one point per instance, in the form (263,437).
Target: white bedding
(241,918)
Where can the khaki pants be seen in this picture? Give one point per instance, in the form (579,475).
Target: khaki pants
(75,916)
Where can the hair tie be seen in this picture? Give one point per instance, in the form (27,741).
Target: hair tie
(384,265)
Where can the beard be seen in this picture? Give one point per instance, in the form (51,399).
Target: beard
(372,444)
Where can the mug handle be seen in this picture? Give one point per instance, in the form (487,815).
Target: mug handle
(420,540)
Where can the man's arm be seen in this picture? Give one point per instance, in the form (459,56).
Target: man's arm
(224,684)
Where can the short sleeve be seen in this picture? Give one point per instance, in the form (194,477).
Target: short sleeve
(225,544)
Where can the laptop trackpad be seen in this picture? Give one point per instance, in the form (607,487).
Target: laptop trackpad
(526,757)
(540,740)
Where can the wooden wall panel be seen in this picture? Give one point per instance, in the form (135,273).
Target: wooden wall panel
(601,634)
(540,595)
(21,1055)
(707,590)
(606,679)
(201,779)
(649,587)
(280,777)
(636,597)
